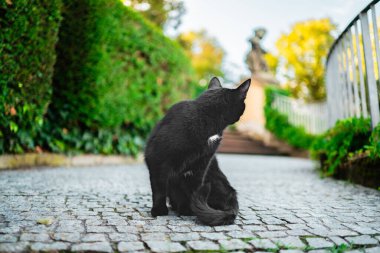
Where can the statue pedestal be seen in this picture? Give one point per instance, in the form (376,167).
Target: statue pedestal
(252,122)
(265,78)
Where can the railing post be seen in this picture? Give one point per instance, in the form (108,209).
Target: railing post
(342,84)
(372,87)
(354,79)
(350,105)
(376,37)
(337,100)
(363,97)
(329,91)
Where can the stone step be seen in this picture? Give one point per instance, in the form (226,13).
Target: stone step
(235,142)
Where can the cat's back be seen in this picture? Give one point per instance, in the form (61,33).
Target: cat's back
(172,129)
(175,117)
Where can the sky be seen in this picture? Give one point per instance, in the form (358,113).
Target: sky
(232,22)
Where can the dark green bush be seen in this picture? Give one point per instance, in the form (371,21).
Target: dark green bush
(333,147)
(28,34)
(115,75)
(279,124)
(373,147)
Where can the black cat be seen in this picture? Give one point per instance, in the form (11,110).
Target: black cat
(180,155)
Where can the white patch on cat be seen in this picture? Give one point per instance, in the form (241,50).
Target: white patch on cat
(188,173)
(213,139)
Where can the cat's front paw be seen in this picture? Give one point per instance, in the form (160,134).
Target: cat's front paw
(159,211)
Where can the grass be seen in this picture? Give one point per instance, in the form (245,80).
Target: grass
(339,249)
(248,239)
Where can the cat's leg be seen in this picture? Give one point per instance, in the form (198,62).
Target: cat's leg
(172,194)
(173,203)
(158,182)
(184,199)
(179,198)
(183,204)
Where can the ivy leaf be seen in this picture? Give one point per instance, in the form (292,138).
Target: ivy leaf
(13,126)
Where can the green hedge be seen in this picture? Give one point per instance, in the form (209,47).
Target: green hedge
(115,76)
(347,137)
(279,124)
(373,148)
(28,34)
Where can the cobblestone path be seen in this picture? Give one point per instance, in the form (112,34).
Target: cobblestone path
(285,207)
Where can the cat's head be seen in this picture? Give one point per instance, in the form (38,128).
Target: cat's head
(226,103)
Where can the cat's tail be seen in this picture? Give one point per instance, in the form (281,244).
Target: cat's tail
(208,215)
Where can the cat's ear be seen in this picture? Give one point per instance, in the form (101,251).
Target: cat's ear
(243,88)
(214,83)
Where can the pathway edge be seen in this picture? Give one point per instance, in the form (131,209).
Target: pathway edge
(31,160)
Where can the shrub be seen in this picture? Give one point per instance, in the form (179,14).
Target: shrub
(27,39)
(279,124)
(333,147)
(373,147)
(115,75)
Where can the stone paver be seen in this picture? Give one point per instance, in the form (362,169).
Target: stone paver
(202,245)
(290,251)
(372,250)
(94,238)
(8,238)
(34,237)
(338,241)
(130,246)
(319,243)
(290,241)
(67,237)
(263,244)
(214,236)
(233,244)
(14,247)
(93,247)
(284,205)
(319,251)
(49,247)
(361,240)
(127,237)
(177,237)
(165,246)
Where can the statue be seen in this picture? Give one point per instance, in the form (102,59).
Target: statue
(255,58)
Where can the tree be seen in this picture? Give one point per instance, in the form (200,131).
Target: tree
(161,12)
(302,54)
(272,61)
(205,53)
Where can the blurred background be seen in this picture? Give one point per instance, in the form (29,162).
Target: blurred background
(95,76)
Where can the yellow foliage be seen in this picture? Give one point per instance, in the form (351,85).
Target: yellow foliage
(272,62)
(303,52)
(205,53)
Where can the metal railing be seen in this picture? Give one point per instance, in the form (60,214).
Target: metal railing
(311,116)
(353,70)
